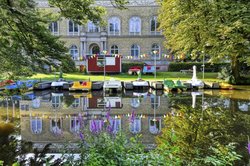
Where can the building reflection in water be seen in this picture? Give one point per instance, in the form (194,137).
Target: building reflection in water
(54,117)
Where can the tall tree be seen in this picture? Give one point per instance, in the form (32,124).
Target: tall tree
(25,41)
(216,28)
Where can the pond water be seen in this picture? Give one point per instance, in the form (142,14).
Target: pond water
(53,117)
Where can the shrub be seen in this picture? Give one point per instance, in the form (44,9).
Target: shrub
(177,66)
(68,64)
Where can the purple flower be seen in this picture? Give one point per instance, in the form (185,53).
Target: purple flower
(80,120)
(81,136)
(132,119)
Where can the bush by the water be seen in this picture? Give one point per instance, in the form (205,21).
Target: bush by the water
(177,66)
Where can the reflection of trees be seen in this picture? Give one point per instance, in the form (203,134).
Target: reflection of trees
(198,130)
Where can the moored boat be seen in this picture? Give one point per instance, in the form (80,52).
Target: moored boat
(112,84)
(84,86)
(58,84)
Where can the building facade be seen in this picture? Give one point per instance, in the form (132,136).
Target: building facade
(132,33)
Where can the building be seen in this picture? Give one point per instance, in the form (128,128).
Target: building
(131,33)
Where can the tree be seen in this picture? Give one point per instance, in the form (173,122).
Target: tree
(199,132)
(216,28)
(25,39)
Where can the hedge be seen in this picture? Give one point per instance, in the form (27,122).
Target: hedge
(126,66)
(177,66)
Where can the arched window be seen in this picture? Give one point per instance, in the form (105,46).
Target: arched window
(56,126)
(56,100)
(156,48)
(135,126)
(135,51)
(36,125)
(73,28)
(154,25)
(135,26)
(93,27)
(74,52)
(154,125)
(114,49)
(53,27)
(114,26)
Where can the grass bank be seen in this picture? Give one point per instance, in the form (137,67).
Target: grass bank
(125,77)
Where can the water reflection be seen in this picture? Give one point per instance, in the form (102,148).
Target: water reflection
(53,117)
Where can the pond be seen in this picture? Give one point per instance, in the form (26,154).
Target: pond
(44,117)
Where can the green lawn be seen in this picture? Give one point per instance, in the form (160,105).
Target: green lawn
(126,77)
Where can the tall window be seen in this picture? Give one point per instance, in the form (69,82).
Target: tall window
(156,47)
(154,25)
(54,29)
(36,125)
(93,27)
(135,126)
(114,49)
(74,52)
(75,124)
(73,28)
(114,26)
(135,51)
(135,26)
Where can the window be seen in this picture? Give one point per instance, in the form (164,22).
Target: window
(36,125)
(114,49)
(73,28)
(53,27)
(76,103)
(56,126)
(114,26)
(135,126)
(115,125)
(154,125)
(154,25)
(56,100)
(74,52)
(135,51)
(93,27)
(75,124)
(135,26)
(96,125)
(155,101)
(156,47)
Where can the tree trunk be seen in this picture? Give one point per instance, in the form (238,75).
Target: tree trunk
(235,66)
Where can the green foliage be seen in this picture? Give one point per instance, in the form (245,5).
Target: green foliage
(108,149)
(68,64)
(201,134)
(219,29)
(177,66)
(222,155)
(126,66)
(25,39)
(226,75)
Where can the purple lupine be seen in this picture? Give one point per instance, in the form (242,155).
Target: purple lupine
(132,119)
(80,120)
(93,126)
(81,136)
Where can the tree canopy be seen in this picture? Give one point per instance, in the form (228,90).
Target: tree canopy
(219,29)
(25,40)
